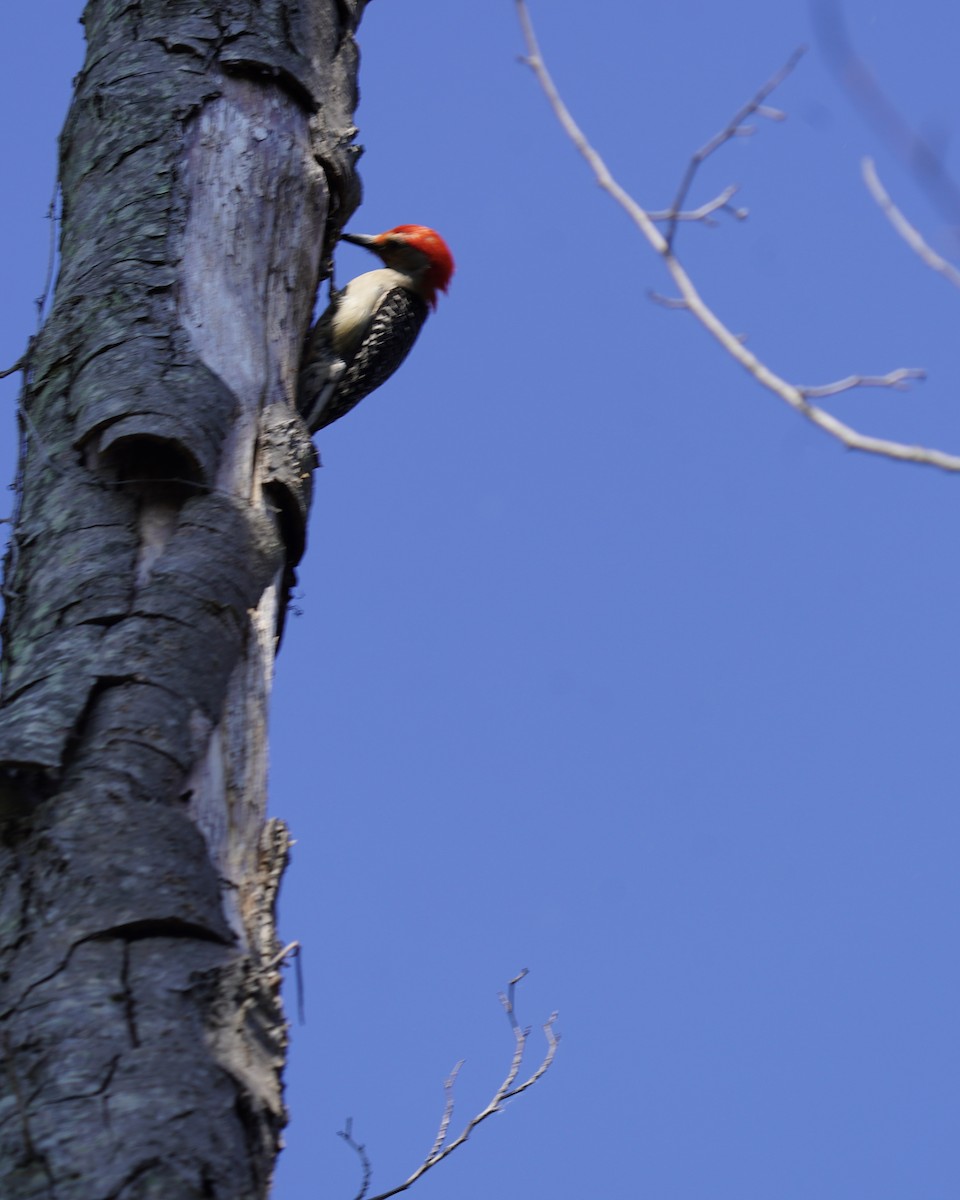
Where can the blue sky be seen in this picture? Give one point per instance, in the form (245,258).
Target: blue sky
(608,665)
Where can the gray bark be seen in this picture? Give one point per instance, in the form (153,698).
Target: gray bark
(164,484)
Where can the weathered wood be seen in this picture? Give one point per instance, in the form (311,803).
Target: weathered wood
(164,489)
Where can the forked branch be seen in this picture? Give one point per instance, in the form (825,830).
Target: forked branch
(797,396)
(441,1149)
(736,127)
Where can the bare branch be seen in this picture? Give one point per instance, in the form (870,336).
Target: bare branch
(23,362)
(507,1000)
(447,1111)
(735,127)
(900,223)
(918,153)
(897,380)
(689,296)
(347,1134)
(17,366)
(553,1040)
(673,302)
(719,203)
(506,1091)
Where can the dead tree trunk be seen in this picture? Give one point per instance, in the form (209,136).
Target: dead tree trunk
(164,485)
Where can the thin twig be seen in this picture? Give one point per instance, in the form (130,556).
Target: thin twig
(347,1134)
(895,380)
(910,235)
(719,203)
(17,366)
(293,952)
(506,1091)
(734,128)
(788,392)
(41,300)
(23,362)
(672,302)
(447,1111)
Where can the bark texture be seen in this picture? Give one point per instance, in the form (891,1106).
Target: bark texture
(164,486)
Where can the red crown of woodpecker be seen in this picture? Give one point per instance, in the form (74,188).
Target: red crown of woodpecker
(421,238)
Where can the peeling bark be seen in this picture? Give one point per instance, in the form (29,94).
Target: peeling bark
(163,492)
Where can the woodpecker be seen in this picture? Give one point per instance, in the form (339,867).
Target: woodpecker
(369,328)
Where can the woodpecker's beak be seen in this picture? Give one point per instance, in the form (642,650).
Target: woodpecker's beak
(358,239)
